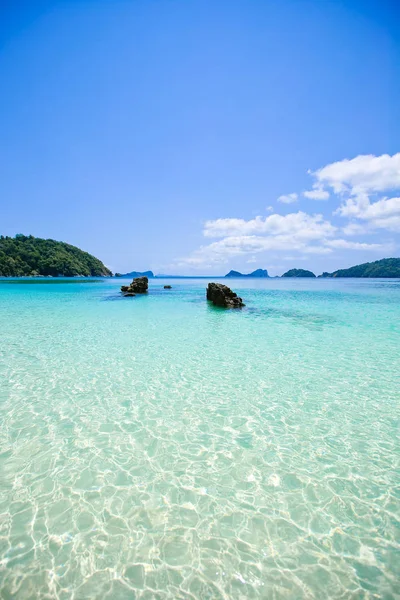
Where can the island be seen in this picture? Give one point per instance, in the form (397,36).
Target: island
(29,256)
(386,267)
(298,273)
(135,274)
(257,273)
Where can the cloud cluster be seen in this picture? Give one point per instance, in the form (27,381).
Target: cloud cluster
(352,182)
(222,251)
(363,175)
(296,232)
(300,225)
(359,179)
(382,214)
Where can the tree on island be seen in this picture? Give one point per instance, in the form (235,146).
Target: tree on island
(386,267)
(256,273)
(298,273)
(28,256)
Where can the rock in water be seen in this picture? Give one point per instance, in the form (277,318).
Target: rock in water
(140,285)
(167,287)
(222,295)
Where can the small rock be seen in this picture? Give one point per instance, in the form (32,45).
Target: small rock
(167,287)
(222,295)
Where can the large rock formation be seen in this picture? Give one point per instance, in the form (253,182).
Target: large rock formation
(222,295)
(140,285)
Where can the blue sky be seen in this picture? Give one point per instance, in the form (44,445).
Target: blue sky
(181,135)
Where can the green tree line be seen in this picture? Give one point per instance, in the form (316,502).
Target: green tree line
(387,267)
(25,255)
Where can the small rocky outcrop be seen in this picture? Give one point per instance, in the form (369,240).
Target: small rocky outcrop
(167,287)
(222,295)
(140,285)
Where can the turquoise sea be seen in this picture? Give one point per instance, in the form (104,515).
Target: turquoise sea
(157,447)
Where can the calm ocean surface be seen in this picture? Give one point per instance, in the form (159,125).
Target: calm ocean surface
(157,447)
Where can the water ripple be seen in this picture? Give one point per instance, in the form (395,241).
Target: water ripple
(159,449)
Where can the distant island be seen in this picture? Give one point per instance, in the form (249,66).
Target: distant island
(257,273)
(387,267)
(148,274)
(28,256)
(298,273)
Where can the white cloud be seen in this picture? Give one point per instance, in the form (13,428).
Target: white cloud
(364,174)
(301,234)
(232,246)
(288,198)
(359,178)
(300,224)
(382,214)
(364,209)
(390,224)
(316,194)
(296,232)
(354,229)
(346,245)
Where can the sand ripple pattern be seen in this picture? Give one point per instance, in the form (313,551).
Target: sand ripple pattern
(160,448)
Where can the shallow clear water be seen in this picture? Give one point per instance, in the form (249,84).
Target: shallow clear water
(157,447)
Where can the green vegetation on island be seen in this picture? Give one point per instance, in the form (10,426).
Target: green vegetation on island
(387,267)
(148,274)
(27,256)
(298,273)
(257,273)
